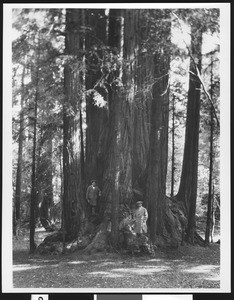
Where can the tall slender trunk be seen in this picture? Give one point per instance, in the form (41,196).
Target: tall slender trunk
(47,189)
(210,193)
(20,152)
(188,184)
(173,147)
(212,216)
(33,176)
(82,150)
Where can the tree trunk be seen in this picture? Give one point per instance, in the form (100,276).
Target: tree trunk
(96,113)
(158,148)
(210,192)
(173,147)
(20,154)
(115,37)
(33,178)
(187,193)
(47,197)
(141,111)
(212,217)
(117,179)
(157,163)
(73,200)
(123,110)
(82,150)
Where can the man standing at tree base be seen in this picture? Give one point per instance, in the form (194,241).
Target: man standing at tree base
(92,194)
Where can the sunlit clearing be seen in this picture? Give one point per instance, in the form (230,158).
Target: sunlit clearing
(201,269)
(130,272)
(84,126)
(25,267)
(76,262)
(180,35)
(210,42)
(99,273)
(213,278)
(114,275)
(43,261)
(142,271)
(107,274)
(154,260)
(107,263)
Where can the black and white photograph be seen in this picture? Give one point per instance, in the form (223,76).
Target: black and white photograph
(116,151)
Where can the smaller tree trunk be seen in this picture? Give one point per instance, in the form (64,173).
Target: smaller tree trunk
(210,194)
(173,147)
(33,180)
(47,197)
(212,217)
(14,223)
(20,154)
(187,193)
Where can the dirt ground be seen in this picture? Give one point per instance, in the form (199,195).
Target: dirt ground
(188,267)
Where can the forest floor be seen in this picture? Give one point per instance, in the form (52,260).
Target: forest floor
(188,267)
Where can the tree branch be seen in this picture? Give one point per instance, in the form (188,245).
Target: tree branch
(207,95)
(198,73)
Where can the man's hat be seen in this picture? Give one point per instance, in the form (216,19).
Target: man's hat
(139,202)
(93,180)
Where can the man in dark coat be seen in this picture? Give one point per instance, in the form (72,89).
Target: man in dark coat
(92,194)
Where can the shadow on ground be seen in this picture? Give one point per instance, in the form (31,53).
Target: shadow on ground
(187,267)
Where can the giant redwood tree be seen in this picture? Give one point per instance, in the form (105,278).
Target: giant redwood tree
(73,205)
(157,160)
(117,178)
(96,112)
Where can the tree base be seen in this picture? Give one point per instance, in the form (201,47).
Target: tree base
(95,236)
(59,243)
